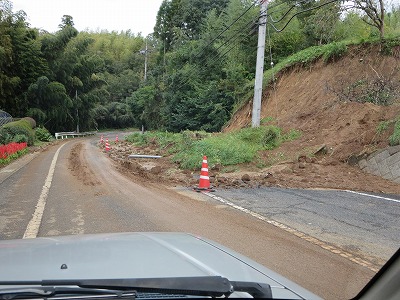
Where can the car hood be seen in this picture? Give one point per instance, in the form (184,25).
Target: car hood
(134,255)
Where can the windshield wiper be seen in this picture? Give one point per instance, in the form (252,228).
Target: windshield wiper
(211,286)
(64,293)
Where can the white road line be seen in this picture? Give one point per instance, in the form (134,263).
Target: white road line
(374,196)
(32,229)
(300,234)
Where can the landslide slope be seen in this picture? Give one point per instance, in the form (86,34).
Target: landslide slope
(320,100)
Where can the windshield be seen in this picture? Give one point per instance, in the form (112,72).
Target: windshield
(255,141)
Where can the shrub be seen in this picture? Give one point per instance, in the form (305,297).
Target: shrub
(394,139)
(5,136)
(137,138)
(43,135)
(31,122)
(334,51)
(21,127)
(20,138)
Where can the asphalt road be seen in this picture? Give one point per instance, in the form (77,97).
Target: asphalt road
(73,188)
(363,224)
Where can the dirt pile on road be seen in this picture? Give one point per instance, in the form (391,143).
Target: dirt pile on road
(320,172)
(320,101)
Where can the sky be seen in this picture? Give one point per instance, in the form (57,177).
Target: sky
(92,15)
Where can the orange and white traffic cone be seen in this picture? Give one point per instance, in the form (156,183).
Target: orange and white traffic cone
(116,139)
(107,145)
(101,139)
(204,183)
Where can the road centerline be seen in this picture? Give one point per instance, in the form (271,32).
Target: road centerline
(373,196)
(32,229)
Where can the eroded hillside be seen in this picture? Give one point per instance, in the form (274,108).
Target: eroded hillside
(320,100)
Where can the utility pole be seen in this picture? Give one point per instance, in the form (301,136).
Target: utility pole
(145,63)
(255,118)
(77,111)
(144,52)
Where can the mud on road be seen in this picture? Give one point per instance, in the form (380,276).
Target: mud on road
(146,201)
(320,171)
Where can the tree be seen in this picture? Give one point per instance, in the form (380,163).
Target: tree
(321,24)
(374,13)
(21,60)
(66,20)
(145,104)
(182,20)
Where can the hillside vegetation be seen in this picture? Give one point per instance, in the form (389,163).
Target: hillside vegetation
(322,119)
(200,62)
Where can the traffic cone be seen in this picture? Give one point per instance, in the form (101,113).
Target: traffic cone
(101,139)
(204,183)
(116,139)
(107,145)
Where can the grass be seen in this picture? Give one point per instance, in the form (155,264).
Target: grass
(226,149)
(394,139)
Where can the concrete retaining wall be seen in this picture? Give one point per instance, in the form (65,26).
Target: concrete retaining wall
(384,163)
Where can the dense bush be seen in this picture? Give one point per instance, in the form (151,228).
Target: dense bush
(43,135)
(21,127)
(31,122)
(20,138)
(5,136)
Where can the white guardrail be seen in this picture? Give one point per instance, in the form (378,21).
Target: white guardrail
(66,135)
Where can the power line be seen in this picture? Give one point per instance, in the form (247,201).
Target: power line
(233,38)
(300,12)
(229,26)
(228,42)
(287,12)
(218,57)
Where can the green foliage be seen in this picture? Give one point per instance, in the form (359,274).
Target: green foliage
(43,135)
(389,43)
(5,136)
(267,120)
(383,126)
(138,138)
(31,122)
(146,107)
(238,147)
(293,134)
(20,138)
(394,139)
(334,51)
(226,150)
(267,137)
(21,127)
(197,75)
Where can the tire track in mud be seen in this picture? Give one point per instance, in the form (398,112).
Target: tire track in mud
(79,169)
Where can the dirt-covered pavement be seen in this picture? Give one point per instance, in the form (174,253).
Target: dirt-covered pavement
(305,172)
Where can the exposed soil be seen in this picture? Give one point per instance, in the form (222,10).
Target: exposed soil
(79,168)
(335,132)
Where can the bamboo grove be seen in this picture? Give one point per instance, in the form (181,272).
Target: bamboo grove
(200,62)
